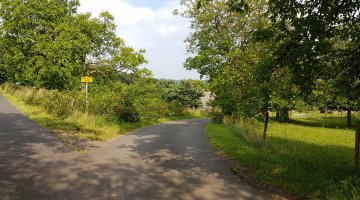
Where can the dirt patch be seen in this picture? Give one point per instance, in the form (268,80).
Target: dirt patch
(75,143)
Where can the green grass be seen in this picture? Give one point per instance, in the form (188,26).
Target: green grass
(81,125)
(85,127)
(301,156)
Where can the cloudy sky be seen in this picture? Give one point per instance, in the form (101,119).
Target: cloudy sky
(150,24)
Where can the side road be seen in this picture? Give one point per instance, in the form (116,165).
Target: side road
(167,161)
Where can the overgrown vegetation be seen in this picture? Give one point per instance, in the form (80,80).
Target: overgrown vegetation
(46,46)
(112,111)
(311,156)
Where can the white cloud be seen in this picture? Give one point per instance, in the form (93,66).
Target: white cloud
(158,31)
(124,13)
(165,30)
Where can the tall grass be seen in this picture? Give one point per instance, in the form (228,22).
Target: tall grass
(248,128)
(59,104)
(302,156)
(121,103)
(64,112)
(69,122)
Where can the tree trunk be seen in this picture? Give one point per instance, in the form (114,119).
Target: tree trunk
(348,119)
(277,118)
(284,114)
(357,146)
(266,121)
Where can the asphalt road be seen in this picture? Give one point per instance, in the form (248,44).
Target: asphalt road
(167,161)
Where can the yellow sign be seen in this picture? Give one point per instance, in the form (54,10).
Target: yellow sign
(87,79)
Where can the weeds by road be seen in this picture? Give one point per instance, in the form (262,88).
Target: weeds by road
(77,129)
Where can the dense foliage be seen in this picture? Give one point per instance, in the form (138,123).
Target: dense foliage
(271,55)
(186,92)
(276,55)
(47,44)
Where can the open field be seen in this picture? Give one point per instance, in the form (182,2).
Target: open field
(311,156)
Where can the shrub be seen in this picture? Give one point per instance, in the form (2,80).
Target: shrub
(218,117)
(116,101)
(127,114)
(245,128)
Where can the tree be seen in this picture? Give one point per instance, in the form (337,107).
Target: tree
(233,48)
(47,44)
(320,40)
(186,92)
(345,75)
(189,94)
(170,89)
(27,28)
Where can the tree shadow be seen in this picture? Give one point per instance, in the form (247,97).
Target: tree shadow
(329,122)
(147,164)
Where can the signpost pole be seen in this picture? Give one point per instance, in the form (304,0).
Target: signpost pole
(87,80)
(87,96)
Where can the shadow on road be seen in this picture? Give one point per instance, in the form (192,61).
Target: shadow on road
(169,161)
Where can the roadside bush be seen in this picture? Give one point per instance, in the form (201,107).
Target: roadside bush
(146,98)
(127,114)
(57,103)
(3,75)
(245,128)
(116,101)
(218,117)
(176,108)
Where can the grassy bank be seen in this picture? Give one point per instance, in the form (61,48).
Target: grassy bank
(312,156)
(79,130)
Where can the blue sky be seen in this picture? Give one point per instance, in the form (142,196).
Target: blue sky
(150,25)
(154,4)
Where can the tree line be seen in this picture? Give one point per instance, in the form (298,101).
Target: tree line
(48,44)
(274,55)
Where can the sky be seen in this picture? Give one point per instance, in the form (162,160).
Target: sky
(150,25)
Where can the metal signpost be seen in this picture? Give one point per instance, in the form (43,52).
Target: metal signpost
(87,80)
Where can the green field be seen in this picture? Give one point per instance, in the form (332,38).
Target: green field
(311,156)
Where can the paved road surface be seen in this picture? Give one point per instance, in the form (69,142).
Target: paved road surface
(167,161)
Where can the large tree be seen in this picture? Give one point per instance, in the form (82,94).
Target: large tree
(29,40)
(185,92)
(231,45)
(47,44)
(320,40)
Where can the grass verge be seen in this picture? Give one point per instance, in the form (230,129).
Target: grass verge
(306,159)
(83,131)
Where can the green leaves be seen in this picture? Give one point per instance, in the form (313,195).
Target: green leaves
(230,44)
(240,6)
(320,44)
(32,51)
(186,92)
(47,44)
